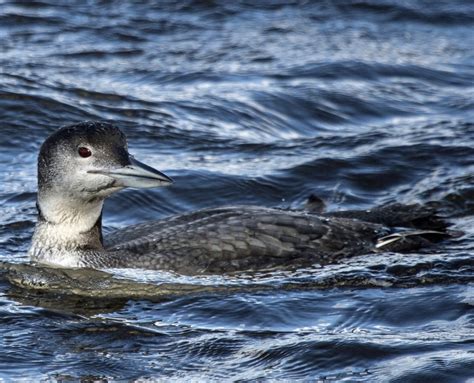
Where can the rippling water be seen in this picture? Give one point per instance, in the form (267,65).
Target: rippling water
(360,102)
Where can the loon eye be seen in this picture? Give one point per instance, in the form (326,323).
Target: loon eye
(84,152)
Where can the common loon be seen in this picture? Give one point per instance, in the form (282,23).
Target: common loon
(82,164)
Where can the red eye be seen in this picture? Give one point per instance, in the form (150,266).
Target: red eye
(84,152)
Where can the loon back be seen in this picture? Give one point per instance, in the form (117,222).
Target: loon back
(232,239)
(80,165)
(240,238)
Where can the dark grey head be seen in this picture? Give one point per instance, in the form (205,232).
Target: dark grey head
(90,160)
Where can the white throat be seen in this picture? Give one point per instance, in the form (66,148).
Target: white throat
(66,229)
(73,215)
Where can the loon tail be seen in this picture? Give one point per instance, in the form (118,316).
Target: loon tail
(413,226)
(413,239)
(414,216)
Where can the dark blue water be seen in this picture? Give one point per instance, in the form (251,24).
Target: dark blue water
(360,102)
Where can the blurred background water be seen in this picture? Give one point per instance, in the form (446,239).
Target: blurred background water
(361,102)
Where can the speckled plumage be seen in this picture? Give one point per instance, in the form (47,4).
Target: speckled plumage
(240,238)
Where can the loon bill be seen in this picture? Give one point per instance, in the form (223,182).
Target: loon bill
(80,165)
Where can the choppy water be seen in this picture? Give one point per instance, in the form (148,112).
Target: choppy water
(361,102)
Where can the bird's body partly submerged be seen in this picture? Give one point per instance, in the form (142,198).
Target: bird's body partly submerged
(241,238)
(80,165)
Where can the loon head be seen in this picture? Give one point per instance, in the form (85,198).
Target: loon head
(78,167)
(89,161)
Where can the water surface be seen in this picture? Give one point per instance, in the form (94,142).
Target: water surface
(359,102)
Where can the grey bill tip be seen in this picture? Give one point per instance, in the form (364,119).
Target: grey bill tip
(136,175)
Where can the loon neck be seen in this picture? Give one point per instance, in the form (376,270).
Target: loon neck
(67,230)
